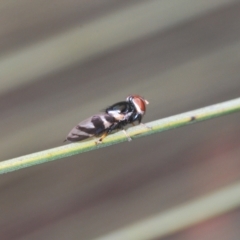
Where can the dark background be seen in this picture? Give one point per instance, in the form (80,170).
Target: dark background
(63,61)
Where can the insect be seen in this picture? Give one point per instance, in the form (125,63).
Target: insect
(115,117)
(133,110)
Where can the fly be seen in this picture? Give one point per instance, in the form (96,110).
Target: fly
(116,117)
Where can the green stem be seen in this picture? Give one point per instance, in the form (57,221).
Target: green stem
(138,131)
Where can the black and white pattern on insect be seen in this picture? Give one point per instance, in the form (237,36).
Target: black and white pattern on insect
(116,117)
(96,126)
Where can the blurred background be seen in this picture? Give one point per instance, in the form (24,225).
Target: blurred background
(63,61)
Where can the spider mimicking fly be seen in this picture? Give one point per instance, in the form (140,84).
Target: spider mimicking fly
(115,117)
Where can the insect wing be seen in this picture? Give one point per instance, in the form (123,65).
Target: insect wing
(83,130)
(93,126)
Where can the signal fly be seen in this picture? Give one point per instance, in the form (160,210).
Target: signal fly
(115,117)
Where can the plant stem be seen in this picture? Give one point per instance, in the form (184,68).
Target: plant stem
(160,125)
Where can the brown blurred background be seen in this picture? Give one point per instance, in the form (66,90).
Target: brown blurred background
(63,61)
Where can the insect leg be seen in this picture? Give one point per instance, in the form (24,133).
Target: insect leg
(144,125)
(121,126)
(108,130)
(139,118)
(128,137)
(101,138)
